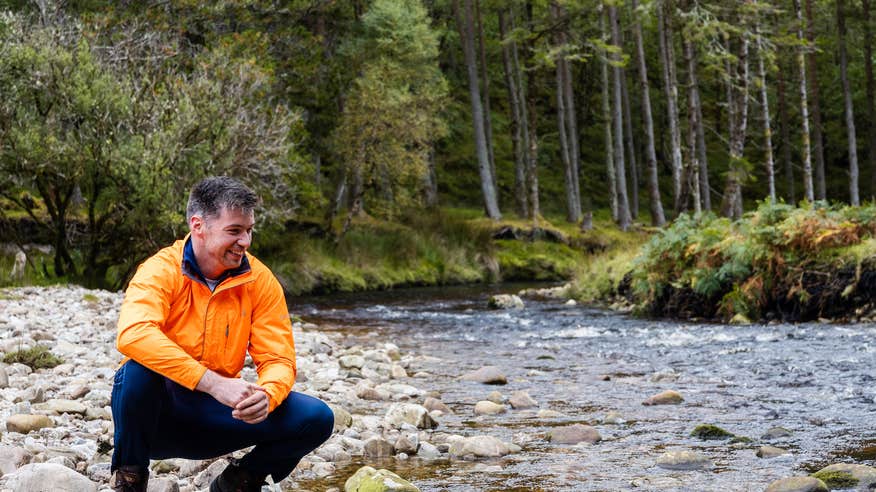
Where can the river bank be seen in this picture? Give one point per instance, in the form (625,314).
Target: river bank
(420,405)
(777,263)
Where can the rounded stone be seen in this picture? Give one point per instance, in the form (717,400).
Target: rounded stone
(797,484)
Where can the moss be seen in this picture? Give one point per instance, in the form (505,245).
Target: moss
(37,357)
(836,479)
(741,439)
(90,298)
(536,260)
(709,432)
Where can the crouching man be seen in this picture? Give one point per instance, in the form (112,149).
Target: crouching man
(190,314)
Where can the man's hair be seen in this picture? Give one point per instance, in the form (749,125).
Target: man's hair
(212,194)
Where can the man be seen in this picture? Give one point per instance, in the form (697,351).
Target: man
(190,314)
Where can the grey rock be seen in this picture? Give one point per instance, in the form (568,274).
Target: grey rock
(488,408)
(776,433)
(59,406)
(411,413)
(432,404)
(486,375)
(162,484)
(479,447)
(505,301)
(683,460)
(770,452)
(27,423)
(521,400)
(797,484)
(99,472)
(48,477)
(343,419)
(407,443)
(12,458)
(204,478)
(496,397)
(428,451)
(574,434)
(377,447)
(4,378)
(373,394)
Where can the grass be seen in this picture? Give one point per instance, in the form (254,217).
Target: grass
(36,357)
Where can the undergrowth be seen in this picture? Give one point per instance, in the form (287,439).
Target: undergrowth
(742,266)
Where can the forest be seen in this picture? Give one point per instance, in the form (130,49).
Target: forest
(543,111)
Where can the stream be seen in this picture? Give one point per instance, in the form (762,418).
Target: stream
(815,380)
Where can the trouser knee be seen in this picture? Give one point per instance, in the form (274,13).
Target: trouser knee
(319,421)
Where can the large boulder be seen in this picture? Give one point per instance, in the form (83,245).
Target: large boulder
(368,479)
(12,458)
(47,477)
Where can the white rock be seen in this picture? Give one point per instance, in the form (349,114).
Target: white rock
(47,477)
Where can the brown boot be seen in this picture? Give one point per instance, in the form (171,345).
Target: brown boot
(130,479)
(234,478)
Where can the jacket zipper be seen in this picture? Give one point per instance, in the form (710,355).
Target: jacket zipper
(207,311)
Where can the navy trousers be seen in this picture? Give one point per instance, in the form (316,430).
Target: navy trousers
(156,418)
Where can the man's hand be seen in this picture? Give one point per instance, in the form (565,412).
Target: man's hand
(253,409)
(235,393)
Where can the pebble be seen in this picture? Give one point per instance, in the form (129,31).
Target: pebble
(668,397)
(683,460)
(797,484)
(486,375)
(574,434)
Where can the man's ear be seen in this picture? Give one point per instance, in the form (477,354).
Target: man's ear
(196,224)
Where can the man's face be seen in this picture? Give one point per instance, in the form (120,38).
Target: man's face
(220,242)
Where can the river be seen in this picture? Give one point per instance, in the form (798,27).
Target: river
(815,380)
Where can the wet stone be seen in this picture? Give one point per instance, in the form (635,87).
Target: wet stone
(488,408)
(797,484)
(668,397)
(776,433)
(27,423)
(684,461)
(486,375)
(771,452)
(522,400)
(574,434)
(368,479)
(432,404)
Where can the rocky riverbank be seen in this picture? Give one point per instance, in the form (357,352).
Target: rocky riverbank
(57,430)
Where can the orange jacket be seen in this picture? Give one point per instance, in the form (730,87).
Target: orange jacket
(176,327)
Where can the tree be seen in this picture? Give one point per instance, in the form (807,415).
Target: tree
(465,27)
(656,205)
(815,98)
(854,199)
(809,194)
(390,118)
(623,208)
(670,87)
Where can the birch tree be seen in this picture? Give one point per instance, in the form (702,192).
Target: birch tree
(854,198)
(670,88)
(624,218)
(808,192)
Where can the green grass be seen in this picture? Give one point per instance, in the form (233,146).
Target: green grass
(36,357)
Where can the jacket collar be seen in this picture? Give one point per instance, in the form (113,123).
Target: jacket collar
(191,269)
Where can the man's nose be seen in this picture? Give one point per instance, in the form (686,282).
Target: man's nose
(245,239)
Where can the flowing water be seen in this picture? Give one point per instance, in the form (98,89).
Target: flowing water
(815,380)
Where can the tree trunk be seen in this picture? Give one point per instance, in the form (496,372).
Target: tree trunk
(516,125)
(572,129)
(871,89)
(465,26)
(431,182)
(690,178)
(809,194)
(738,106)
(854,198)
(786,137)
(530,119)
(705,191)
(670,87)
(488,121)
(655,204)
(631,147)
(817,127)
(573,202)
(607,122)
(767,130)
(624,218)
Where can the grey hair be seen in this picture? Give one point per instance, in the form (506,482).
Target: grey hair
(212,194)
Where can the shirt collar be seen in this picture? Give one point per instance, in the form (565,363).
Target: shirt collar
(191,269)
